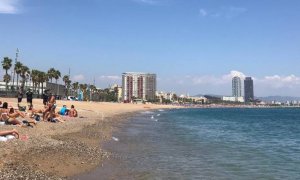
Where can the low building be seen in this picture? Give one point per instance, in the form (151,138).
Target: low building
(199,100)
(120,95)
(169,96)
(56,89)
(233,99)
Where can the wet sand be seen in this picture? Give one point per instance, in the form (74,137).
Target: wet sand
(64,150)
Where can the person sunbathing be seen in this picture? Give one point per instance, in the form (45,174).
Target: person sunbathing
(10,115)
(73,112)
(13,132)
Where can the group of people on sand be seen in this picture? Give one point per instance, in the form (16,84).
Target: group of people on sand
(18,116)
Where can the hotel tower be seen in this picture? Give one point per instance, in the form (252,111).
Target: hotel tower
(139,86)
(236,87)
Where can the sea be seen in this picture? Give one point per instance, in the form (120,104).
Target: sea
(221,143)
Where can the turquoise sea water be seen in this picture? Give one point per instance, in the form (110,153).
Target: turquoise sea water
(208,144)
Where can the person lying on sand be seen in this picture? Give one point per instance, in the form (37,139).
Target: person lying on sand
(7,115)
(13,132)
(73,112)
(10,115)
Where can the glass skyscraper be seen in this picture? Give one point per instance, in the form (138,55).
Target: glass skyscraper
(236,87)
(249,92)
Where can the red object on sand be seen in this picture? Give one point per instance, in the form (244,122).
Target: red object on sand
(24,137)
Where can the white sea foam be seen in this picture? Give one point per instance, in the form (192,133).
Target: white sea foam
(152,117)
(147,112)
(161,110)
(158,114)
(115,139)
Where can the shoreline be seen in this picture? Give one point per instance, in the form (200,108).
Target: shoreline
(64,150)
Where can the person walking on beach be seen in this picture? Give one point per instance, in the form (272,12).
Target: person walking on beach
(29,95)
(45,97)
(20,96)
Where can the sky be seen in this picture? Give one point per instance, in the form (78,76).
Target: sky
(194,46)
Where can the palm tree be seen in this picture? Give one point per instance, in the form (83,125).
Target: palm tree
(42,78)
(51,73)
(83,88)
(6,64)
(67,81)
(93,89)
(34,78)
(6,79)
(56,76)
(24,74)
(18,68)
(75,87)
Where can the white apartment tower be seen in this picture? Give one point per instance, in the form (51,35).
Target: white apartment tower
(138,85)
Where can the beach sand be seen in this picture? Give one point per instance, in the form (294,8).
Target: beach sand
(63,150)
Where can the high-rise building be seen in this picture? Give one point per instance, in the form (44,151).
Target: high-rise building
(236,87)
(249,89)
(138,86)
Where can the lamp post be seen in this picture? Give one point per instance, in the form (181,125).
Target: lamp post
(16,60)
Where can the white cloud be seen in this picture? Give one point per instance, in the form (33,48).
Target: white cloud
(228,12)
(111,77)
(203,12)
(233,73)
(9,6)
(213,80)
(151,2)
(276,81)
(79,77)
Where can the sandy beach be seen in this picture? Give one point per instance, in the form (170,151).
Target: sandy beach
(62,150)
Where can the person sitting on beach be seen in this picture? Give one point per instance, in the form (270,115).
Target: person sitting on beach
(63,111)
(13,132)
(73,112)
(50,108)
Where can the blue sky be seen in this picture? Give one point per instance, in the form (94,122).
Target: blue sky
(194,46)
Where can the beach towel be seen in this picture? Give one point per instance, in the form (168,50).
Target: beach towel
(3,139)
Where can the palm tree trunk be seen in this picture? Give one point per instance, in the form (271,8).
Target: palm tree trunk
(13,84)
(6,87)
(17,81)
(57,88)
(42,88)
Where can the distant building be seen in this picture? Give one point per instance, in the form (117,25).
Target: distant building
(138,86)
(249,89)
(55,89)
(169,96)
(236,87)
(233,99)
(120,94)
(200,100)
